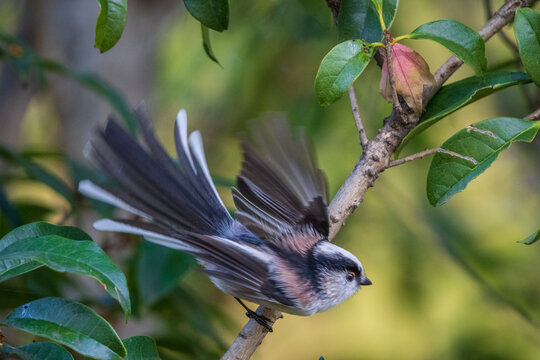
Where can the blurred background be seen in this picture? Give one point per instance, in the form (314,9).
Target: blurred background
(449,282)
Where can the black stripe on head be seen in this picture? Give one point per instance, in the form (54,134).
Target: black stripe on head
(326,256)
(337,263)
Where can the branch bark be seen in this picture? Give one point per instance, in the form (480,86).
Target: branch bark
(534,115)
(374,160)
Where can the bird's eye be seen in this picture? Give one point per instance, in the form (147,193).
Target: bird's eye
(350,276)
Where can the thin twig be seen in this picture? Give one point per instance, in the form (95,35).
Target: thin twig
(390,68)
(412,157)
(357,118)
(534,115)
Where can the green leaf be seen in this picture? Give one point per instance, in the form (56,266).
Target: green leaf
(14,267)
(110,23)
(358,19)
(470,152)
(531,239)
(141,348)
(340,68)
(38,351)
(211,13)
(38,173)
(461,40)
(207,45)
(378,4)
(65,255)
(156,279)
(69,323)
(527,31)
(461,93)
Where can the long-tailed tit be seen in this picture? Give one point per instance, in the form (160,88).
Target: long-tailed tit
(275,253)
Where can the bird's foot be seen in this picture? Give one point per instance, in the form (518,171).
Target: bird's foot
(261,320)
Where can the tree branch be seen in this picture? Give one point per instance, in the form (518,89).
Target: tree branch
(374,160)
(357,118)
(534,115)
(251,336)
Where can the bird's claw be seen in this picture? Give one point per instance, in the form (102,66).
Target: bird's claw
(261,320)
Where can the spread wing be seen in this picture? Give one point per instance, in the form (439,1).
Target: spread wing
(280,190)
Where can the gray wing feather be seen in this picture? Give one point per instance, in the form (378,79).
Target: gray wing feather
(280,189)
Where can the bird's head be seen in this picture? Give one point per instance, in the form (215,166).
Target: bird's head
(338,274)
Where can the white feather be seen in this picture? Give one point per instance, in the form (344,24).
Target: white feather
(261,255)
(181,122)
(88,188)
(195,142)
(115,226)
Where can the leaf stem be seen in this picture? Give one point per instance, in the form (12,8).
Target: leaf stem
(425,153)
(399,38)
(378,44)
(357,118)
(381,20)
(412,157)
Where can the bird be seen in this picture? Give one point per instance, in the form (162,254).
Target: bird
(275,252)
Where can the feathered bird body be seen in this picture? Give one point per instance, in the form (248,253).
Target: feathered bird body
(275,253)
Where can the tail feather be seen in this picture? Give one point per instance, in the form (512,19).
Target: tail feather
(195,141)
(138,190)
(193,163)
(151,232)
(153,186)
(88,188)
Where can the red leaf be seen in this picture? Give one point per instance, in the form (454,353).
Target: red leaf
(411,74)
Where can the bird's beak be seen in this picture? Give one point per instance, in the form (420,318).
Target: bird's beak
(365,281)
